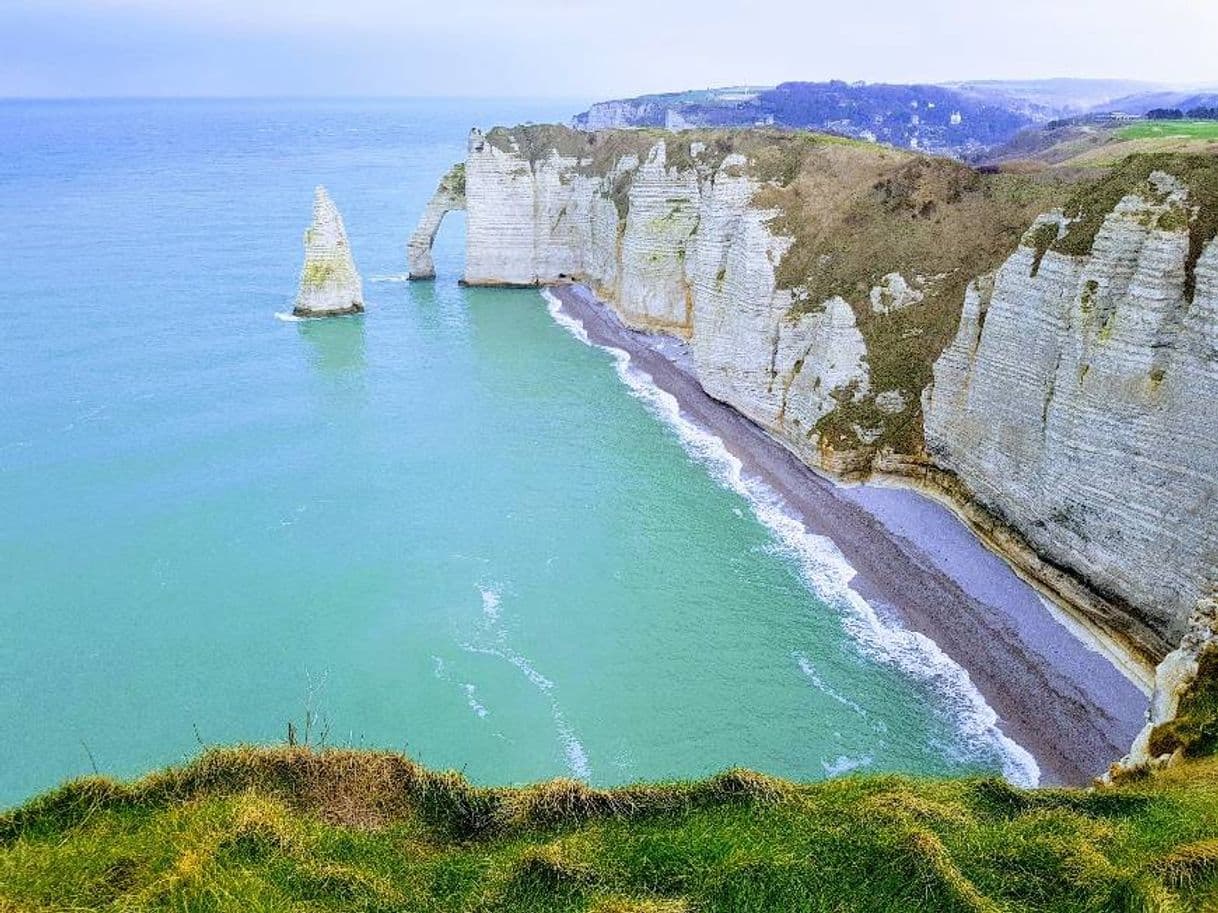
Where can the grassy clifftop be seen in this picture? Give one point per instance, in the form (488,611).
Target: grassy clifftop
(292,829)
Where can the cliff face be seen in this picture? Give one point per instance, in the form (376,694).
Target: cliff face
(1079,402)
(835,292)
(329,282)
(669,233)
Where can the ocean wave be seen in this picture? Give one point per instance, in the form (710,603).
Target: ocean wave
(827,573)
(809,671)
(288,317)
(472,699)
(573,748)
(569,323)
(400,277)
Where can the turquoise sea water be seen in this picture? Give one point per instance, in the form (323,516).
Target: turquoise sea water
(446,526)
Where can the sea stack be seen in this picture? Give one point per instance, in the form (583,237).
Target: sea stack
(329,283)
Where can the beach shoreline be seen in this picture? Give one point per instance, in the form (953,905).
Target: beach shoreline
(1066,702)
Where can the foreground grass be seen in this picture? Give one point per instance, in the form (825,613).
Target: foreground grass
(291,829)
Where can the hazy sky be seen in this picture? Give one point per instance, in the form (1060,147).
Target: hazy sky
(580,48)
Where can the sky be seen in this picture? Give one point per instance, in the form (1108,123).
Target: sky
(582,49)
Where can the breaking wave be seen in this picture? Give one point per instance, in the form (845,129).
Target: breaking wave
(827,574)
(573,748)
(809,671)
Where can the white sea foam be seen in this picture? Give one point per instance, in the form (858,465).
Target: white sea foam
(288,317)
(490,602)
(842,765)
(400,277)
(471,698)
(827,573)
(565,320)
(536,678)
(573,748)
(441,672)
(809,670)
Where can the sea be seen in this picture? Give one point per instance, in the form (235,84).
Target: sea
(447,527)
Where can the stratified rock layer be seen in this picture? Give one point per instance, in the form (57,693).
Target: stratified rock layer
(1079,403)
(329,283)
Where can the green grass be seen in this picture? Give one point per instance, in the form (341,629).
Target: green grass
(1092,203)
(1158,129)
(291,829)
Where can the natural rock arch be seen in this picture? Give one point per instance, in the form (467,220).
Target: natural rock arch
(449,195)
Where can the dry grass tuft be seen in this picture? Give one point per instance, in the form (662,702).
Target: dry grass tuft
(615,904)
(551,865)
(1190,863)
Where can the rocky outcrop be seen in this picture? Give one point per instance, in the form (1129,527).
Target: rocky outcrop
(1175,676)
(893,294)
(329,282)
(1079,403)
(449,196)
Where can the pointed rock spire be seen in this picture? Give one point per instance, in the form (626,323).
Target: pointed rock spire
(329,283)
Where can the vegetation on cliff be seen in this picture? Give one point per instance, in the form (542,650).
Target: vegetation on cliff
(939,224)
(1094,200)
(293,829)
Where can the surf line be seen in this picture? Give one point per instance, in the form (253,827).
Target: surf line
(827,573)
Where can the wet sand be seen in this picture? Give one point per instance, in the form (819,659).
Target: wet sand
(915,561)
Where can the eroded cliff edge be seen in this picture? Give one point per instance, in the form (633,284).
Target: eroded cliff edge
(880,312)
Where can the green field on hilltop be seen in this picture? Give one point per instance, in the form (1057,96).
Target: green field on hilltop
(1158,129)
(281,829)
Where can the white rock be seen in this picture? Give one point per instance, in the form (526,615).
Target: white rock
(329,282)
(893,294)
(1173,677)
(693,257)
(890,402)
(449,196)
(1080,405)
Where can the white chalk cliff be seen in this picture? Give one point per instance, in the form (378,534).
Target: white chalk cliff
(329,282)
(449,196)
(1079,403)
(677,250)
(1076,409)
